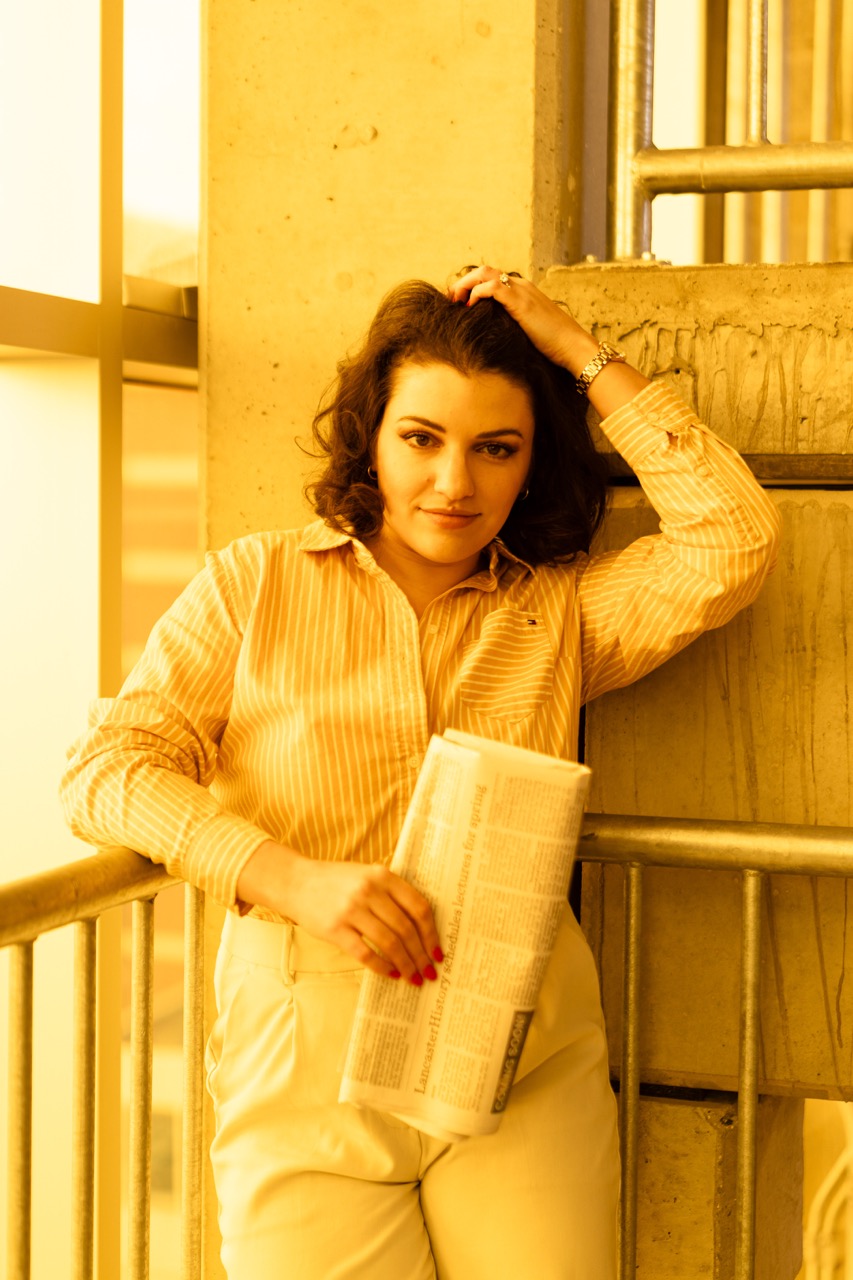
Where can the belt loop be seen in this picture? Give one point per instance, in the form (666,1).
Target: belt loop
(287,974)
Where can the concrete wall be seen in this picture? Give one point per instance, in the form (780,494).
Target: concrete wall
(349,147)
(750,723)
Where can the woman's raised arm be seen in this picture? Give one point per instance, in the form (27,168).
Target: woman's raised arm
(554,331)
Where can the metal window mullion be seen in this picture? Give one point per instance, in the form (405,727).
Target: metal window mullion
(192,1165)
(752,883)
(108,1168)
(20,1140)
(110,348)
(83,1107)
(141,1062)
(629,1076)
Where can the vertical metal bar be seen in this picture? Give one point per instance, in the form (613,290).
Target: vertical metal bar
(774,204)
(191,1144)
(632,43)
(20,1152)
(108,1101)
(141,1058)
(748,1074)
(570,128)
(629,1076)
(716,45)
(756,72)
(823,84)
(735,212)
(83,1114)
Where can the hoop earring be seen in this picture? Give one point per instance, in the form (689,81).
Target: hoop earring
(371,471)
(525,493)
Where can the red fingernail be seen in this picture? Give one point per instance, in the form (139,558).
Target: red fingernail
(394,973)
(416,980)
(429,972)
(468,303)
(437,954)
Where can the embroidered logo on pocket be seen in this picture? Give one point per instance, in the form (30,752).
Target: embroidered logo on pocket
(509,671)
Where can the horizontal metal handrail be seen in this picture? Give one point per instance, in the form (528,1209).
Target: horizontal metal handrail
(751,850)
(763,166)
(82,890)
(76,891)
(778,847)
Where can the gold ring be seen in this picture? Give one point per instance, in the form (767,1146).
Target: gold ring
(504,279)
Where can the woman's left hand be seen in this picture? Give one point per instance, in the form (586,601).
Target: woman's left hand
(554,331)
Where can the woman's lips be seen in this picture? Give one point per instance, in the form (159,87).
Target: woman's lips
(450,519)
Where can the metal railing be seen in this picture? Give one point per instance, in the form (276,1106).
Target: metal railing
(755,850)
(638,171)
(78,893)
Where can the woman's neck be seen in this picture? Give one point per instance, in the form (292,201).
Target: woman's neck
(420,581)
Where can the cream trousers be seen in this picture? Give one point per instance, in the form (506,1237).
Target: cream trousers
(312,1189)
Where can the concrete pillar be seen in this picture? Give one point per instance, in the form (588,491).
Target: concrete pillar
(348,147)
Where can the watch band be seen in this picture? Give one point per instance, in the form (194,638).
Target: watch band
(605,354)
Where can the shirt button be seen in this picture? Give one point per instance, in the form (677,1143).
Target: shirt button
(414,762)
(432,628)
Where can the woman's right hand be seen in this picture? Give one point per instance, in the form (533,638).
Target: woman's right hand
(363,909)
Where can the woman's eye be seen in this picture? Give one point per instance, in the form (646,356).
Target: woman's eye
(419,439)
(495,450)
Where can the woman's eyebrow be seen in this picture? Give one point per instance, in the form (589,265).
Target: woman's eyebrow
(482,435)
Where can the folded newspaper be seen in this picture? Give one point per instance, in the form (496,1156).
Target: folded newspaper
(489,839)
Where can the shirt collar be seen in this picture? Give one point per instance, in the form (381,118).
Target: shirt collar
(319,536)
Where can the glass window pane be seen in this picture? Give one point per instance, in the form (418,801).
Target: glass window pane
(161,139)
(49,147)
(160,545)
(48,583)
(678,121)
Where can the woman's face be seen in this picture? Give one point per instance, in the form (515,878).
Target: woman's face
(452,454)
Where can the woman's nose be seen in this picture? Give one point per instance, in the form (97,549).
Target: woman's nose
(453,478)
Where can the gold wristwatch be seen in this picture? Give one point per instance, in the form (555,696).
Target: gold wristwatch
(605,354)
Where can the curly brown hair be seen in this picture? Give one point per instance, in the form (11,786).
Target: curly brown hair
(418,323)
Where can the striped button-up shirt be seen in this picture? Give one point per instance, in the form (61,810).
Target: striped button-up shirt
(291,690)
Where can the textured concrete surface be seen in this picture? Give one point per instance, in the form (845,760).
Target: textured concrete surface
(347,149)
(750,723)
(764,354)
(687,1188)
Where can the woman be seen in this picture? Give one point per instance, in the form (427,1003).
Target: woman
(267,743)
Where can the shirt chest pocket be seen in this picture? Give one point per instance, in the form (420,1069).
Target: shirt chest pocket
(509,672)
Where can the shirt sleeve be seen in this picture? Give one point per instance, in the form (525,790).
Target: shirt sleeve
(718,540)
(139,776)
